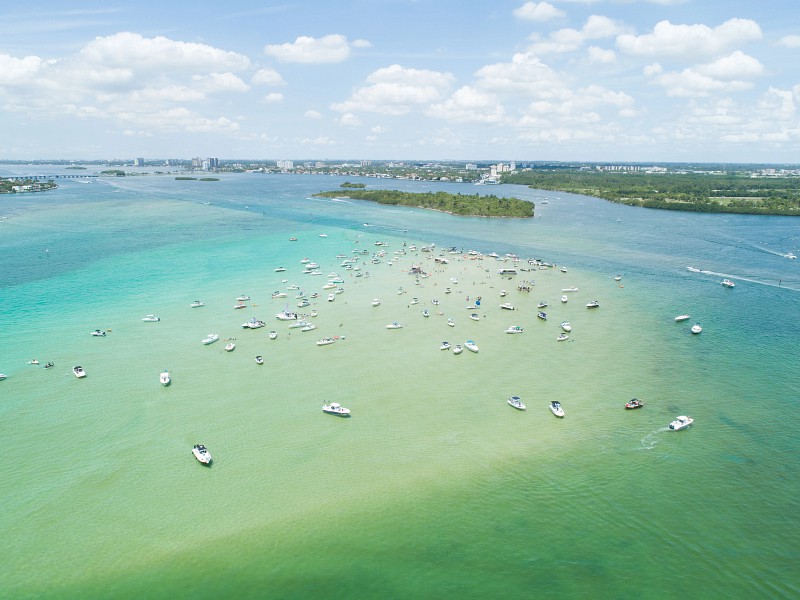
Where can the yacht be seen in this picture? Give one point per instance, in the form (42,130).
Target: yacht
(334,408)
(516,402)
(259,360)
(593,304)
(331,297)
(79,372)
(681,422)
(394,325)
(457,349)
(309,327)
(514,329)
(555,408)
(325,341)
(566,326)
(197,304)
(507,306)
(680,318)
(99,333)
(243,298)
(696,328)
(542,304)
(297,324)
(278,295)
(150,319)
(165,378)
(562,337)
(202,454)
(210,338)
(634,403)
(286,316)
(728,283)
(471,346)
(445,346)
(2,376)
(253,324)
(280,269)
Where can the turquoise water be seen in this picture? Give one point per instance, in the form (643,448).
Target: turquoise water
(435,487)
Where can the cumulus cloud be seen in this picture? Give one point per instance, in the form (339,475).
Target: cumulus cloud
(273,98)
(537,11)
(470,105)
(349,120)
(13,70)
(789,41)
(690,41)
(600,56)
(312,114)
(568,39)
(526,74)
(267,76)
(726,74)
(332,48)
(219,82)
(395,90)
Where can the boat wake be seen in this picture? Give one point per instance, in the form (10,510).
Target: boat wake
(651,439)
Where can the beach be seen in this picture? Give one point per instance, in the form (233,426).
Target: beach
(434,485)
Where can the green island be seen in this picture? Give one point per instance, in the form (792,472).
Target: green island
(472,205)
(728,192)
(114,172)
(356,186)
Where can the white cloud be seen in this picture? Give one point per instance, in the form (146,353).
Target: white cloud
(312,114)
(219,82)
(600,56)
(14,70)
(789,41)
(395,90)
(267,76)
(690,41)
(349,120)
(327,49)
(469,105)
(378,129)
(568,39)
(727,74)
(526,75)
(538,11)
(734,66)
(273,98)
(362,44)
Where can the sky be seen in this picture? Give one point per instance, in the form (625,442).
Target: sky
(643,81)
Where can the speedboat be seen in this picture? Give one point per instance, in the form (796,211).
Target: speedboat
(503,293)
(426,313)
(165,378)
(445,346)
(542,304)
(566,326)
(79,372)
(457,349)
(243,298)
(514,329)
(229,347)
(240,305)
(202,454)
(415,301)
(303,303)
(99,333)
(394,325)
(2,376)
(696,328)
(325,341)
(210,338)
(555,408)
(150,319)
(280,269)
(562,337)
(376,302)
(593,304)
(278,294)
(297,324)
(334,408)
(728,283)
(516,402)
(507,306)
(49,365)
(286,316)
(563,269)
(564,298)
(542,315)
(570,289)
(474,317)
(273,334)
(634,403)
(617,277)
(680,318)
(309,327)
(197,304)
(331,297)
(451,323)
(259,360)
(681,422)
(471,346)
(253,324)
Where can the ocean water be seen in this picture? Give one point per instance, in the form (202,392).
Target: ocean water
(435,488)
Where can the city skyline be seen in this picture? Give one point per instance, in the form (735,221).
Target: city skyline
(564,80)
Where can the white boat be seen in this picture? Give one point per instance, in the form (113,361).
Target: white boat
(516,402)
(445,346)
(240,305)
(592,304)
(309,327)
(253,324)
(286,316)
(2,376)
(334,408)
(542,304)
(415,301)
(259,360)
(303,303)
(278,295)
(617,277)
(165,378)
(680,318)
(210,338)
(243,298)
(728,283)
(331,297)
(273,334)
(507,306)
(503,293)
(562,337)
(280,269)
(197,304)
(681,422)
(555,408)
(297,324)
(202,454)
(329,286)
(570,289)
(79,372)
(394,325)
(514,329)
(458,349)
(99,333)
(542,315)
(566,326)
(450,323)
(475,317)
(563,269)
(471,346)
(376,302)
(564,298)
(325,341)
(150,319)
(230,346)
(696,328)
(426,313)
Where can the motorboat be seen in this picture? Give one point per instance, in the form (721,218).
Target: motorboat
(592,304)
(471,346)
(253,324)
(435,302)
(99,333)
(334,408)
(728,283)
(243,298)
(634,403)
(564,298)
(451,323)
(394,325)
(197,304)
(202,454)
(566,326)
(2,376)
(210,338)
(325,341)
(49,365)
(229,347)
(376,302)
(79,372)
(696,328)
(415,301)
(507,306)
(165,378)
(331,297)
(458,349)
(514,329)
(562,337)
(563,269)
(278,294)
(329,286)
(286,316)
(475,317)
(542,315)
(292,239)
(273,334)
(309,327)
(542,304)
(617,277)
(570,289)
(303,303)
(151,319)
(426,313)
(555,408)
(680,318)
(445,346)
(280,269)
(681,422)
(297,324)
(516,402)
(259,360)
(240,305)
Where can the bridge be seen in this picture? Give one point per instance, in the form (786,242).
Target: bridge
(47,177)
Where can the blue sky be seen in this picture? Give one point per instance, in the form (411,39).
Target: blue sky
(593,80)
